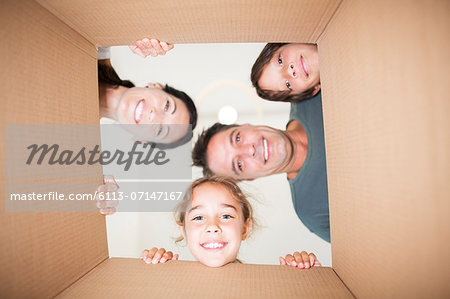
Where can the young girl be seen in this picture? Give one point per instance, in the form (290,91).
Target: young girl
(287,72)
(214,217)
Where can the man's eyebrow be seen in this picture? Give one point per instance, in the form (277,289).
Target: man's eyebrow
(231,136)
(233,168)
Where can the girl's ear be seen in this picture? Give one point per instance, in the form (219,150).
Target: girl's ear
(182,231)
(316,89)
(247,229)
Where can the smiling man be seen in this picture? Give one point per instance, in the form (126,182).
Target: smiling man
(248,152)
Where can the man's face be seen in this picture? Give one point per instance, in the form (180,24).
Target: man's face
(248,152)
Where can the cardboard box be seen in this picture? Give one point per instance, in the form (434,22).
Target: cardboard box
(384,75)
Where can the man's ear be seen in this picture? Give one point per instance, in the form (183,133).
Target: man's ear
(247,229)
(316,89)
(245,125)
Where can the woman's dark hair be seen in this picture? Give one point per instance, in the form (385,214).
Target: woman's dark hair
(108,76)
(280,96)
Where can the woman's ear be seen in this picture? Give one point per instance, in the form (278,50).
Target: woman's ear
(316,89)
(247,229)
(155,85)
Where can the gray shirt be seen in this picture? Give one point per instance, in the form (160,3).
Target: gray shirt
(309,188)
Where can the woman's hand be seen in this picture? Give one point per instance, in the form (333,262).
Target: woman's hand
(153,47)
(301,260)
(107,196)
(155,255)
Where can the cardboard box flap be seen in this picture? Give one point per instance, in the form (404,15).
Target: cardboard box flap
(48,76)
(384,73)
(114,22)
(132,278)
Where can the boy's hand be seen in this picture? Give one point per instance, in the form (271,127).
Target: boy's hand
(108,190)
(301,260)
(153,47)
(155,255)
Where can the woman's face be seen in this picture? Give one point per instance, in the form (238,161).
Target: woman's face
(158,110)
(294,68)
(214,226)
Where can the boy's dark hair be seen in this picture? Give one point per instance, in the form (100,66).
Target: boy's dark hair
(200,147)
(108,76)
(280,96)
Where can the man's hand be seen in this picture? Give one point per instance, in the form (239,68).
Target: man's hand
(155,255)
(153,47)
(301,260)
(108,190)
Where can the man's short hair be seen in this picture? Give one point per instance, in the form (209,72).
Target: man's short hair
(201,146)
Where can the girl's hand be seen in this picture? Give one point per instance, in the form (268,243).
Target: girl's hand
(155,255)
(153,47)
(107,195)
(301,260)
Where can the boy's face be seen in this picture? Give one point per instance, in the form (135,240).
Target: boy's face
(214,226)
(294,68)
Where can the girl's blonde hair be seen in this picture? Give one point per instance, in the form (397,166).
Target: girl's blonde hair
(229,183)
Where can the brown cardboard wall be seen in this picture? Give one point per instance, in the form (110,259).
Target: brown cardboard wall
(115,22)
(48,76)
(385,92)
(131,278)
(384,72)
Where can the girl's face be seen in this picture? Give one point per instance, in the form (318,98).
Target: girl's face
(214,226)
(294,68)
(153,106)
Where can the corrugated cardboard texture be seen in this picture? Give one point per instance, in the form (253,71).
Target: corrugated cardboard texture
(48,76)
(386,91)
(115,22)
(132,278)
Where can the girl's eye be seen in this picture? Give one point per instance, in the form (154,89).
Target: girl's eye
(227,217)
(239,165)
(288,85)
(280,60)
(198,218)
(166,107)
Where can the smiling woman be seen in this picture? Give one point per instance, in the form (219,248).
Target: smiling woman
(155,105)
